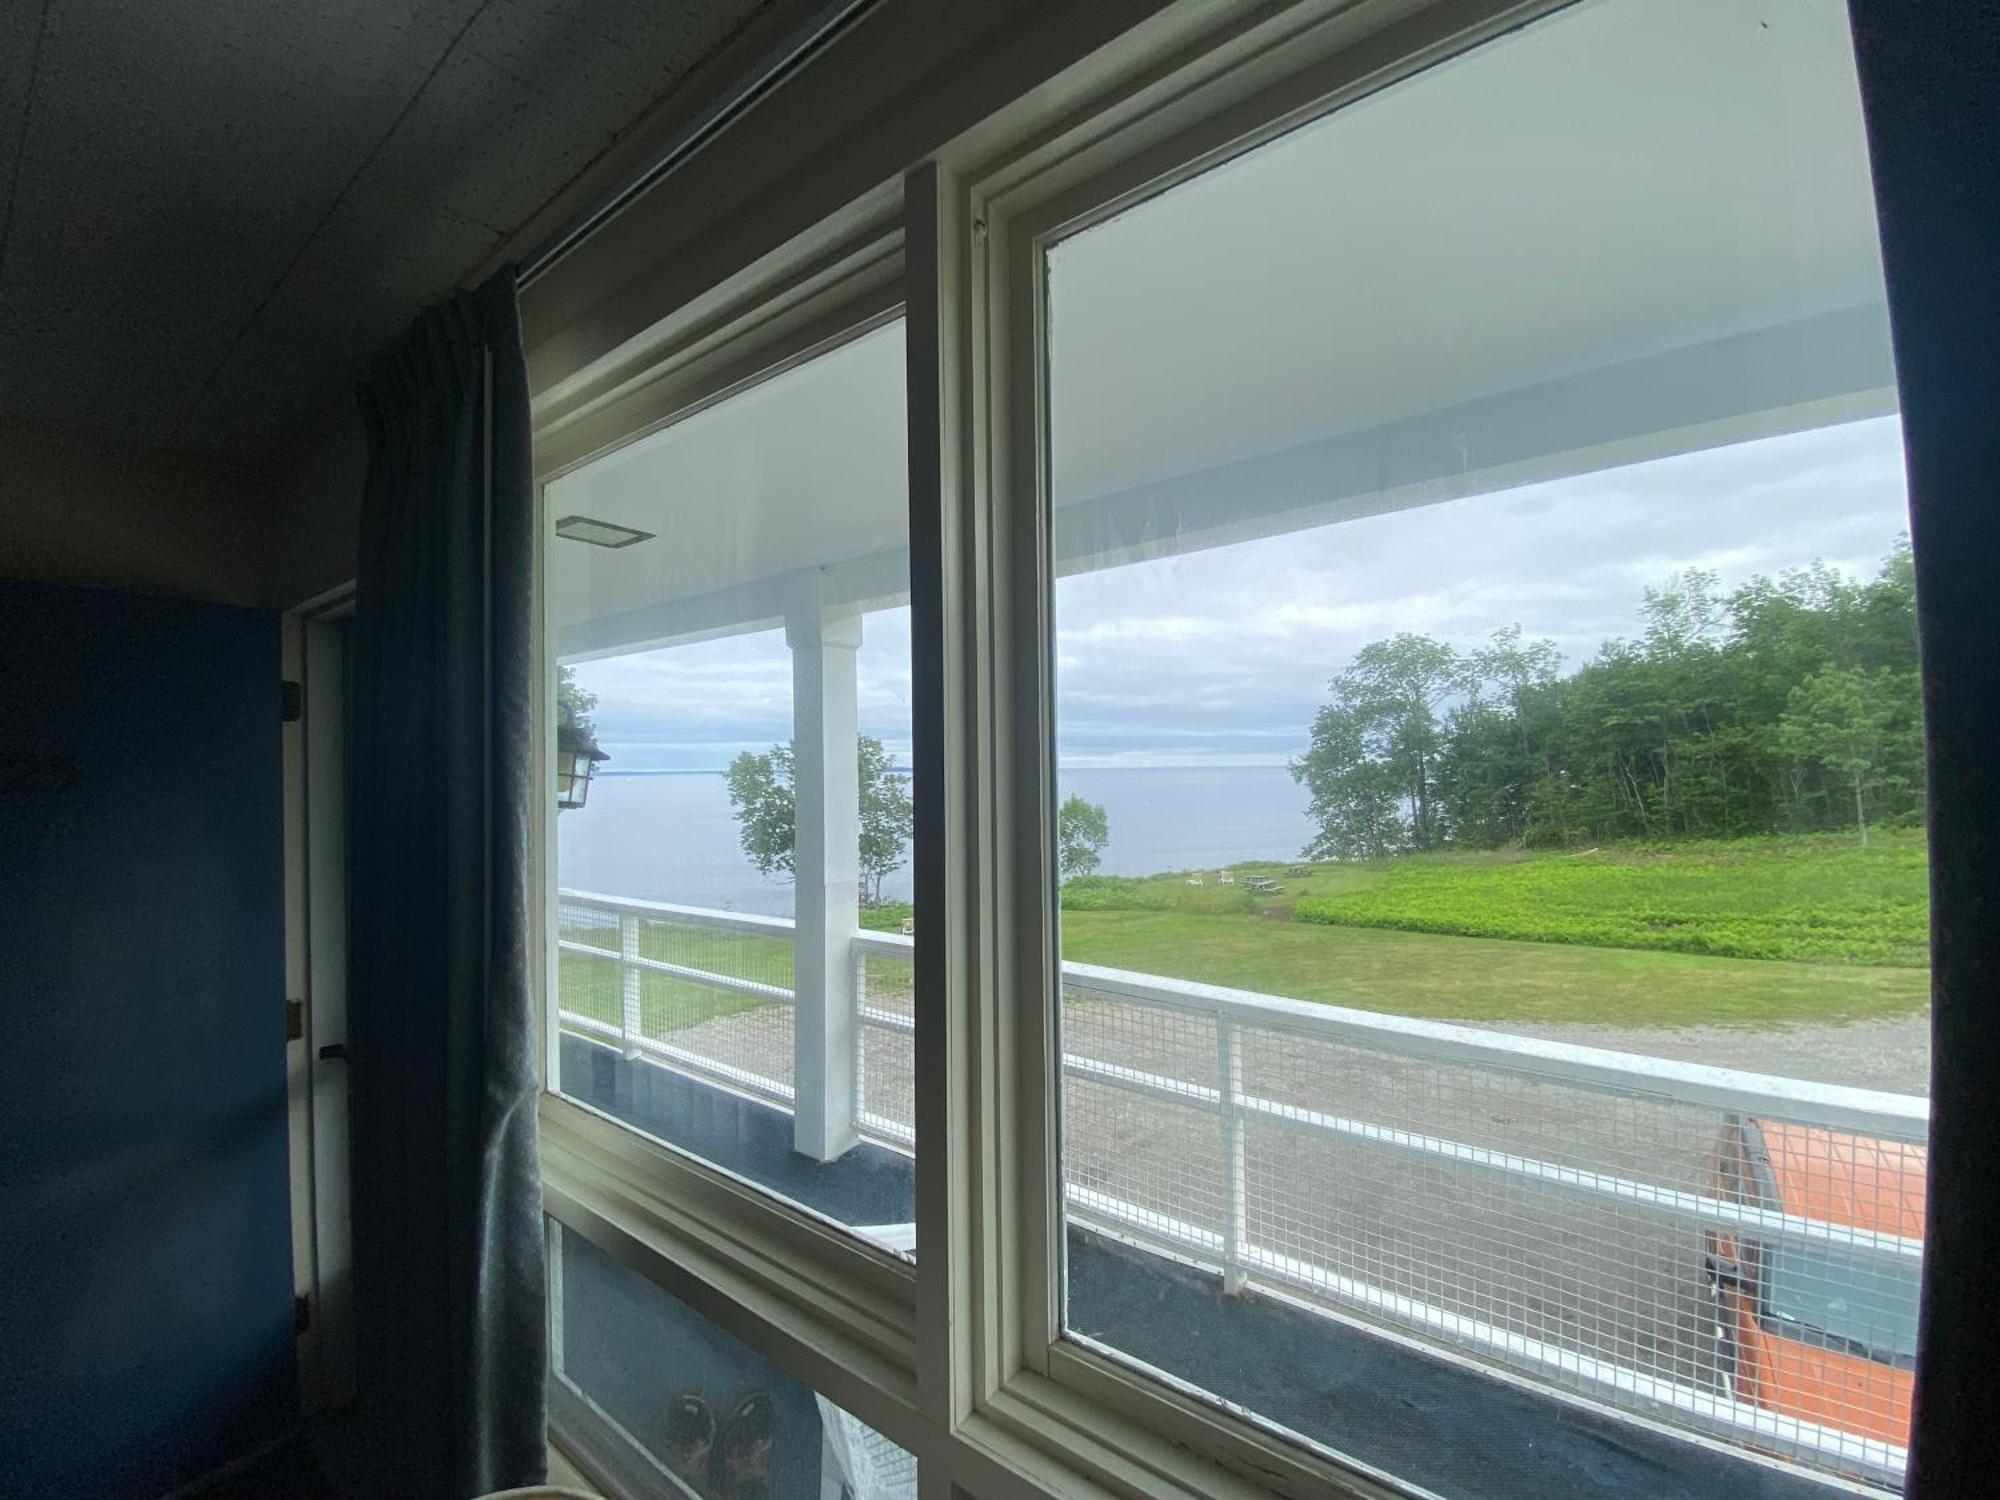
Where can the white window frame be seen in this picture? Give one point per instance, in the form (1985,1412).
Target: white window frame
(832,1310)
(962,1358)
(1031,178)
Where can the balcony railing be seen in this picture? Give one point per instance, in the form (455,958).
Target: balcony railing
(1541,1206)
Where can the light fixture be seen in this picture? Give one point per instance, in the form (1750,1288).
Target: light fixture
(577,756)
(599,533)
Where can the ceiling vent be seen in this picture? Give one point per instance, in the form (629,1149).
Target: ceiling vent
(599,533)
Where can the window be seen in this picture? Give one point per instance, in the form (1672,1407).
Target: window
(662,1402)
(1485,698)
(734,905)
(1846,1299)
(1302,645)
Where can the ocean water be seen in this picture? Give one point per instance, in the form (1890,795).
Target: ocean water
(672,837)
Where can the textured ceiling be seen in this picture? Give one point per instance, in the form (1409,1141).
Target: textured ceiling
(216,210)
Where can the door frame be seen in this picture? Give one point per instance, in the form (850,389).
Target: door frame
(314,656)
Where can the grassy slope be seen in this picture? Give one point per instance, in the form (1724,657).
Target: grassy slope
(1817,899)
(1482,979)
(1599,920)
(1753,932)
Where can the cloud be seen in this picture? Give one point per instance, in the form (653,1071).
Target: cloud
(1223,656)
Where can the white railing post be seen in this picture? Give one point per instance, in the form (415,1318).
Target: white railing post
(826,847)
(1235,1190)
(631,1020)
(860,1039)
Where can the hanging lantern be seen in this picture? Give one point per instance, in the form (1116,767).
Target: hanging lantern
(577,756)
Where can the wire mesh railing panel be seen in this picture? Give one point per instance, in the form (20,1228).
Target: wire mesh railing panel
(1169,1045)
(1490,1259)
(889,981)
(710,993)
(1552,1219)
(1150,1164)
(1141,1133)
(1599,1223)
(885,1043)
(1729,1253)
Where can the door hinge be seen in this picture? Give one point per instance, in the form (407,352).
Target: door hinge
(295,1020)
(294,699)
(302,1314)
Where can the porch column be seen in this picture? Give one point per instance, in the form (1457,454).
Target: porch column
(827,791)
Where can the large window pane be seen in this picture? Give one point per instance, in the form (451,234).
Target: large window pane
(735,909)
(1486,708)
(649,1392)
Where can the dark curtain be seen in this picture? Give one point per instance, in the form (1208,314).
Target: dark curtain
(448,1250)
(1930,77)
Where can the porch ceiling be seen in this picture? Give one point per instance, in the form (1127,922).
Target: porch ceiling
(1634,230)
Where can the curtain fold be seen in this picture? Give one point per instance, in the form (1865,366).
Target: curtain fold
(1929,94)
(448,1248)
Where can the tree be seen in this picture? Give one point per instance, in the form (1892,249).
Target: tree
(1354,796)
(1695,728)
(1845,719)
(1682,615)
(1496,779)
(886,816)
(1373,763)
(761,792)
(1082,830)
(574,701)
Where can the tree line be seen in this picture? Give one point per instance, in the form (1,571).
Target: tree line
(1787,705)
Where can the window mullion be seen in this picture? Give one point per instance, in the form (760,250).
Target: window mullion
(943,624)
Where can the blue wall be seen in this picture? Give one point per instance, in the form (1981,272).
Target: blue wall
(145,1261)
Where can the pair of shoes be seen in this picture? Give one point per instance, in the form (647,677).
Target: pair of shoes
(726,1457)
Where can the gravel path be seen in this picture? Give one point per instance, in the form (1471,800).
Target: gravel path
(1892,1054)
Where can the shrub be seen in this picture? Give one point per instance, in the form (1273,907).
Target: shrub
(1118,893)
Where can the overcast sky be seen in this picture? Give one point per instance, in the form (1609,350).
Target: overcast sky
(1221,657)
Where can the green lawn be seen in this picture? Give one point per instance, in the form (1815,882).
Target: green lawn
(1483,979)
(1750,932)
(1758,932)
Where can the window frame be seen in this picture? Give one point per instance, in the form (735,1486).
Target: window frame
(962,1358)
(1050,180)
(747,1260)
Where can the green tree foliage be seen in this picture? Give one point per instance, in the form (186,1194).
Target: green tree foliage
(886,816)
(574,702)
(1082,831)
(761,792)
(1856,726)
(1707,725)
(1377,750)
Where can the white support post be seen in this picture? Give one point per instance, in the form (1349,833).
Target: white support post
(826,850)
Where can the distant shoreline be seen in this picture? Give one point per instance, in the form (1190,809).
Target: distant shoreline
(605,770)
